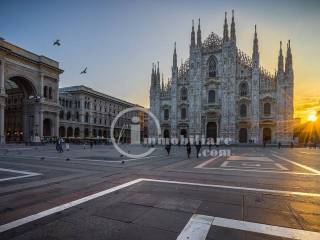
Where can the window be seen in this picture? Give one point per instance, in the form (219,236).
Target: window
(183,113)
(267,109)
(243,110)
(184,94)
(212,67)
(77,116)
(211,96)
(50,92)
(166,114)
(87,118)
(243,89)
(68,115)
(61,115)
(45,91)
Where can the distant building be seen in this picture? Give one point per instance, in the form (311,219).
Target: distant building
(222,92)
(86,113)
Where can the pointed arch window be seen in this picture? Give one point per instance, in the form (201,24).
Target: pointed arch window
(183,113)
(184,94)
(212,67)
(166,114)
(243,110)
(211,96)
(267,109)
(243,89)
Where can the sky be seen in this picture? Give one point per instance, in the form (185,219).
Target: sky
(119,40)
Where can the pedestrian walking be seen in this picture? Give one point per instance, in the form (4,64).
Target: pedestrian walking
(91,145)
(198,148)
(188,149)
(168,148)
(279,145)
(60,145)
(57,145)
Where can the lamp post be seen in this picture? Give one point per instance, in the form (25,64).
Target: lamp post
(37,119)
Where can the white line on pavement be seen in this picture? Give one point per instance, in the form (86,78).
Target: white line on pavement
(261,171)
(25,174)
(298,164)
(62,207)
(206,162)
(266,229)
(197,228)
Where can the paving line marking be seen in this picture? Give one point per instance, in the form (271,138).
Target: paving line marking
(206,162)
(25,174)
(62,207)
(266,229)
(298,164)
(197,228)
(281,167)
(249,158)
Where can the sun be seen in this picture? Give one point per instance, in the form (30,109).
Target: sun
(312,117)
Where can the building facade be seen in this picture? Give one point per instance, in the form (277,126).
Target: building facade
(220,92)
(88,114)
(29,93)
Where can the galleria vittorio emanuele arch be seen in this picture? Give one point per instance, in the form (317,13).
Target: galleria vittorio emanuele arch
(29,93)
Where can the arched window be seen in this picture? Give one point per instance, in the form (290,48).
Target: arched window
(87,118)
(183,113)
(243,89)
(212,67)
(68,115)
(50,92)
(211,96)
(184,93)
(166,114)
(77,116)
(243,110)
(45,91)
(61,115)
(267,109)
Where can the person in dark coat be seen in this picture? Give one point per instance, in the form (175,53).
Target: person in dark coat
(188,149)
(198,148)
(168,148)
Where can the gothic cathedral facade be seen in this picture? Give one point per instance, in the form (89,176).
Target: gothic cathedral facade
(220,92)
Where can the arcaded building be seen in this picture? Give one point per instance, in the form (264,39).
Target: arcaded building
(29,93)
(221,92)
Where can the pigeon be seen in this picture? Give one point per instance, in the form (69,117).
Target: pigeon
(84,71)
(122,162)
(57,43)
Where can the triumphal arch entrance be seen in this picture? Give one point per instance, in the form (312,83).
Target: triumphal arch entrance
(29,95)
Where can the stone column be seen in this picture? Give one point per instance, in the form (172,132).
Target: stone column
(2,102)
(56,126)
(2,136)
(41,123)
(41,84)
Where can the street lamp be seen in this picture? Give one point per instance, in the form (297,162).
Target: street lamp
(36,99)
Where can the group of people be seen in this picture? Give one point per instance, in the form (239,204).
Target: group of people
(188,148)
(59,145)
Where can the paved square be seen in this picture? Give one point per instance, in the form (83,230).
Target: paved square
(160,197)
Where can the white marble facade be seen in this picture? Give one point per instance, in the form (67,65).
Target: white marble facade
(220,92)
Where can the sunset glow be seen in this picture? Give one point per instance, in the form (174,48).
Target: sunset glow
(312,117)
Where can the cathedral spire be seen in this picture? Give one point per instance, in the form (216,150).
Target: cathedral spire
(174,62)
(199,43)
(288,59)
(225,29)
(162,83)
(152,75)
(233,29)
(280,60)
(255,53)
(193,39)
(158,74)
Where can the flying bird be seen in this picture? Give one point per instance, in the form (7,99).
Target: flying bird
(57,43)
(84,71)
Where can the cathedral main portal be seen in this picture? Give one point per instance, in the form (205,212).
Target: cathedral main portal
(212,130)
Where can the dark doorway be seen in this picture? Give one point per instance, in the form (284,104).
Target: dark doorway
(212,130)
(166,133)
(183,132)
(47,127)
(267,133)
(243,135)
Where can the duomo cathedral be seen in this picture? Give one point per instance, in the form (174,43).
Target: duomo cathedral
(221,92)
